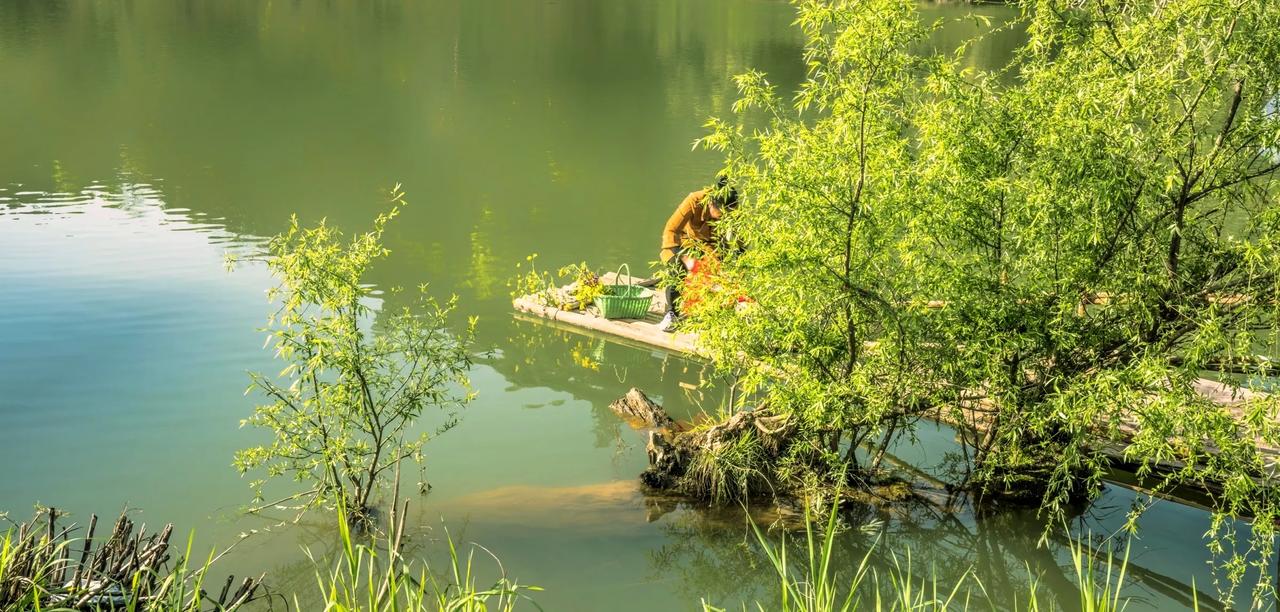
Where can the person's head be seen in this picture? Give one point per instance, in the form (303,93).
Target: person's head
(724,197)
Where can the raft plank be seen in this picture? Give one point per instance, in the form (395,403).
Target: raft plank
(644,331)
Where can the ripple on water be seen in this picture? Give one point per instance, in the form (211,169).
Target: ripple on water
(123,338)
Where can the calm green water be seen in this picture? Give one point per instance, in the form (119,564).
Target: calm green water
(140,141)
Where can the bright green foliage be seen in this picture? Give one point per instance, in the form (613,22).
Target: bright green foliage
(1050,256)
(813,583)
(1100,581)
(342,410)
(1104,234)
(828,201)
(366,578)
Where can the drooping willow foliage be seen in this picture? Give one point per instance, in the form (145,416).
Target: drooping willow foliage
(1053,255)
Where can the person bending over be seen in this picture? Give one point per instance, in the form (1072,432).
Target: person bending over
(692,223)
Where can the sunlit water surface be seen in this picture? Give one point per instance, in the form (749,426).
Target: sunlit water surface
(144,141)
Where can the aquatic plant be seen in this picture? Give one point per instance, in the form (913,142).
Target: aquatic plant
(342,410)
(46,566)
(814,583)
(1099,580)
(372,579)
(815,588)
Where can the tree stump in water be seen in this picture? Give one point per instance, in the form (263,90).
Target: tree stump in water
(641,412)
(666,463)
(672,452)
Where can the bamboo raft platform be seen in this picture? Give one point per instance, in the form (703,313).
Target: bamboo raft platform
(646,332)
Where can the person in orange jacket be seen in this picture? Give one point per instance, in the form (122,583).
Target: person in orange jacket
(692,222)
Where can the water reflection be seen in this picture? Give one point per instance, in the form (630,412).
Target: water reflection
(1000,549)
(482,277)
(122,344)
(597,370)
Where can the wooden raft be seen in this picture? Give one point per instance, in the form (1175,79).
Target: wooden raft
(645,331)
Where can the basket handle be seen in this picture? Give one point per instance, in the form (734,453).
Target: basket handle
(617,275)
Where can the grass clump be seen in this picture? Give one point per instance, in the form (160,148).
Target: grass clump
(814,583)
(376,579)
(42,567)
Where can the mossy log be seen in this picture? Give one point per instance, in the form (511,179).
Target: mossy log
(693,462)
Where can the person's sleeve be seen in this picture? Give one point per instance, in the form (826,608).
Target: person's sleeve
(675,224)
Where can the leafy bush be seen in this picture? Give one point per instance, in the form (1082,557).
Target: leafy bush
(353,388)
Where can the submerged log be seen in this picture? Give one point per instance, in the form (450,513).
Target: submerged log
(737,460)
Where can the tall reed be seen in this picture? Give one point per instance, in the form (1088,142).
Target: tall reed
(370,579)
(816,585)
(43,568)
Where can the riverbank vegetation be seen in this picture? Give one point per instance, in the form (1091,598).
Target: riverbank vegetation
(816,582)
(375,576)
(1049,256)
(47,566)
(56,567)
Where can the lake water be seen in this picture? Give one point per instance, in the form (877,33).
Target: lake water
(141,141)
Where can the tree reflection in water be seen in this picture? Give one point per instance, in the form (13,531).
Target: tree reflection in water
(711,558)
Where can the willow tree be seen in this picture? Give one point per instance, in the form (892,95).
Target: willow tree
(343,413)
(1052,255)
(823,338)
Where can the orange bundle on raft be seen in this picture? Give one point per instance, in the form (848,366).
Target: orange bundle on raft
(704,288)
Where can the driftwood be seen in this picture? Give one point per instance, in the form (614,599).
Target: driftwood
(123,570)
(641,412)
(667,463)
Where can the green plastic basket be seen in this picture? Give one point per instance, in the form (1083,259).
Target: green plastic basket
(624,301)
